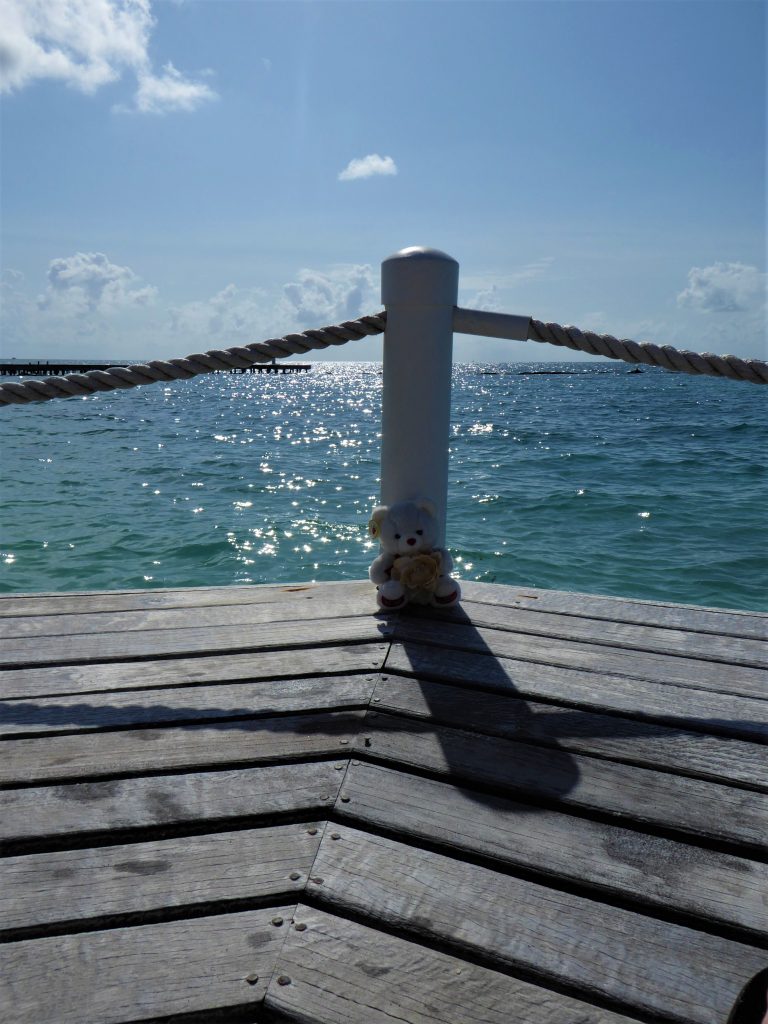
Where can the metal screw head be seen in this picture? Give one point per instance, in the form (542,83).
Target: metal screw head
(252,979)
(339,767)
(317,880)
(313,831)
(300,926)
(277,921)
(335,835)
(376,700)
(343,742)
(294,876)
(355,763)
(283,979)
(345,799)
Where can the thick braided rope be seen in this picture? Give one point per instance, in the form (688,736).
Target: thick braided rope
(753,370)
(120,377)
(74,384)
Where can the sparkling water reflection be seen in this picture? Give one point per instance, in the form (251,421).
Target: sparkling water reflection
(651,485)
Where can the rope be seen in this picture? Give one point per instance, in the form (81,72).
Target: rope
(236,358)
(668,358)
(476,322)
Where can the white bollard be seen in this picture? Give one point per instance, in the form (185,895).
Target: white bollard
(419,288)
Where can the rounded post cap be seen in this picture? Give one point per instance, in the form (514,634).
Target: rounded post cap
(420,276)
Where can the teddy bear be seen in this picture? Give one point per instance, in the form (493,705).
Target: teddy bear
(410,567)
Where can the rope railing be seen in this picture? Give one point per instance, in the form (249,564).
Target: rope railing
(501,325)
(465,321)
(72,385)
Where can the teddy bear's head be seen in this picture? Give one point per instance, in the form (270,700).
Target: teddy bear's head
(405,528)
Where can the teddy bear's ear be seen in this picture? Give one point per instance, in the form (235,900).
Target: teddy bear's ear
(427,506)
(378,516)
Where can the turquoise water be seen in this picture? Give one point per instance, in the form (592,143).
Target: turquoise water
(650,485)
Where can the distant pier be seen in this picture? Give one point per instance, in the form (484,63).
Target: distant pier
(40,368)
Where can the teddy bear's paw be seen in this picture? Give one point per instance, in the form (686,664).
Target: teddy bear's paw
(447,593)
(391,596)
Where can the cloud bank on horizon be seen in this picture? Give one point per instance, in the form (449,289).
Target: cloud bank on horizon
(87,44)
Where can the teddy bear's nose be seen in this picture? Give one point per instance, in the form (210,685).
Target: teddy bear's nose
(411,540)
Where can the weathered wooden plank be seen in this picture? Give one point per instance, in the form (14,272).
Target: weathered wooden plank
(723,621)
(140,751)
(344,973)
(221,668)
(593,657)
(680,706)
(205,640)
(618,738)
(289,608)
(128,974)
(638,794)
(147,707)
(653,966)
(84,601)
(658,639)
(73,885)
(76,809)
(658,872)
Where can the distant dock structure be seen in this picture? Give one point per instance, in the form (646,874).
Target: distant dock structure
(56,368)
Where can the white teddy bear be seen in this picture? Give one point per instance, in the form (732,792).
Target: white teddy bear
(410,567)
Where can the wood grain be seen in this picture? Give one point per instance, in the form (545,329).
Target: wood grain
(142,751)
(85,601)
(652,966)
(80,808)
(129,974)
(220,668)
(724,622)
(617,738)
(592,657)
(344,973)
(653,871)
(73,885)
(147,707)
(634,794)
(228,639)
(723,714)
(298,607)
(659,639)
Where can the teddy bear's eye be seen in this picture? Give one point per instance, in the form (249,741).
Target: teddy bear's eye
(397,536)
(420,533)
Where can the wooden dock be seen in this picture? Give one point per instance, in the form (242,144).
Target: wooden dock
(45,368)
(272,804)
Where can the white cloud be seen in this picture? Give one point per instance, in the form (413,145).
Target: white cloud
(367,167)
(487,299)
(724,288)
(230,317)
(159,94)
(318,299)
(87,44)
(89,283)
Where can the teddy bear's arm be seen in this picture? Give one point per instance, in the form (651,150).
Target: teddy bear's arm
(446,562)
(380,567)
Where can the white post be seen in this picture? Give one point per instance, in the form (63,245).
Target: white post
(419,288)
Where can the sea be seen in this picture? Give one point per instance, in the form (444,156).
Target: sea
(573,476)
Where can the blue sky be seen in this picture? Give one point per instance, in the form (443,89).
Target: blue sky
(173,173)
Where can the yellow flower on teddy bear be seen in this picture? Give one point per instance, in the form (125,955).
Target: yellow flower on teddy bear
(418,572)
